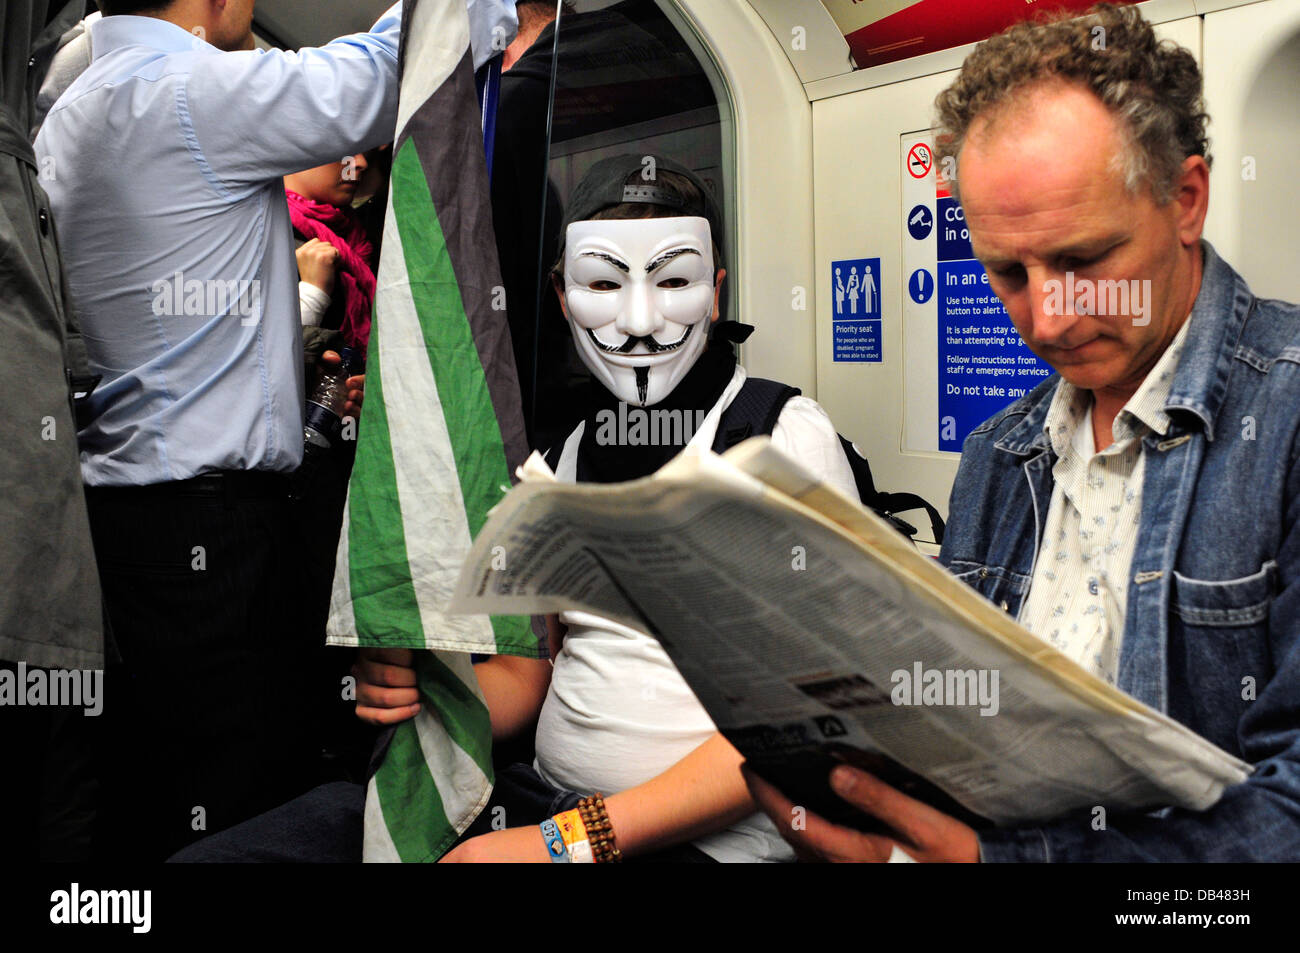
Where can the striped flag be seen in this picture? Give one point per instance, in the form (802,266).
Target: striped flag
(441,433)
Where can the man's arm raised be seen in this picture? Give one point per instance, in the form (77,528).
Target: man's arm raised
(256,115)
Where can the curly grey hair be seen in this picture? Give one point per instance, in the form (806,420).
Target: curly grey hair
(1152,87)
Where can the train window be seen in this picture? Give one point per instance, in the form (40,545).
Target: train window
(625,80)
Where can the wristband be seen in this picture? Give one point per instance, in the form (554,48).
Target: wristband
(574,833)
(555,846)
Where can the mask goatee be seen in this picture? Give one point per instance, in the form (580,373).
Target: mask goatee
(642,383)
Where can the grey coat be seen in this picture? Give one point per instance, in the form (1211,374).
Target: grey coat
(50,613)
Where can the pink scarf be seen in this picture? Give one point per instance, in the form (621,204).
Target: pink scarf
(355,275)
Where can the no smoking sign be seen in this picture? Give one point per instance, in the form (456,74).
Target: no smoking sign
(919,161)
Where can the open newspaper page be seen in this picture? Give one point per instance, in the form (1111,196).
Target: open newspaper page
(812,632)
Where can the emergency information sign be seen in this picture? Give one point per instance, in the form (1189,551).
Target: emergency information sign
(981,362)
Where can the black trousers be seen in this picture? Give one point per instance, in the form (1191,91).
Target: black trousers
(208,716)
(49,789)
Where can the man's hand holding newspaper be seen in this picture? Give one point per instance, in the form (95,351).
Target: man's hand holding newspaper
(921,833)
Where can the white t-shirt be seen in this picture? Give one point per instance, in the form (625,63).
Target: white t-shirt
(313,302)
(618,713)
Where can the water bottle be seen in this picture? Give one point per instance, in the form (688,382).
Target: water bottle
(324,418)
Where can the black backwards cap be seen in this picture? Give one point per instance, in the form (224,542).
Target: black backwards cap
(620,179)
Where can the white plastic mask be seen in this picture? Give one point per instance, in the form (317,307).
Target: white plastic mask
(639,296)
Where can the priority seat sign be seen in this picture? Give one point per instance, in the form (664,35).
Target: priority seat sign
(855,310)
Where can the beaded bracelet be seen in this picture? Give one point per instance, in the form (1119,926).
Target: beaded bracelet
(600,832)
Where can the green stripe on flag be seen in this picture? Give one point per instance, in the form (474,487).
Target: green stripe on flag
(412,807)
(463,715)
(514,635)
(466,404)
(471,419)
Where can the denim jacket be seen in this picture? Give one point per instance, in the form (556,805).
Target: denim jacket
(1212,631)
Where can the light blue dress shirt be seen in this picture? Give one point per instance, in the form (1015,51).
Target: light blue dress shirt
(163,163)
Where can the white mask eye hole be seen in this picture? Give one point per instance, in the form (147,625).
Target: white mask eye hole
(604,284)
(676,281)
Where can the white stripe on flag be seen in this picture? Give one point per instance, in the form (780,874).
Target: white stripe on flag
(424,466)
(443,29)
(378,847)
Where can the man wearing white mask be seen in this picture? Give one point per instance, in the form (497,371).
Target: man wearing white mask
(640,281)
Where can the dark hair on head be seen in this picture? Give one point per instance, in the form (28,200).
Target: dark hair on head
(116,8)
(548,5)
(1152,87)
(675,184)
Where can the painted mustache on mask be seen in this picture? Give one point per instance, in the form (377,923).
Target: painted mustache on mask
(653,346)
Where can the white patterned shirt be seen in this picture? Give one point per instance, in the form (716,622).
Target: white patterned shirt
(1079,591)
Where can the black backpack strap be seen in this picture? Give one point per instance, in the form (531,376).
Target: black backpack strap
(753,412)
(892,503)
(888,505)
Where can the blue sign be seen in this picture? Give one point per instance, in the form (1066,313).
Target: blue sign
(855,310)
(920,286)
(953,236)
(983,362)
(919,222)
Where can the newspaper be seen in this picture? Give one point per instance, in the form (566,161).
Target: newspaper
(812,632)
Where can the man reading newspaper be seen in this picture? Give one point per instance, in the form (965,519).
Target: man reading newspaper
(1137,510)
